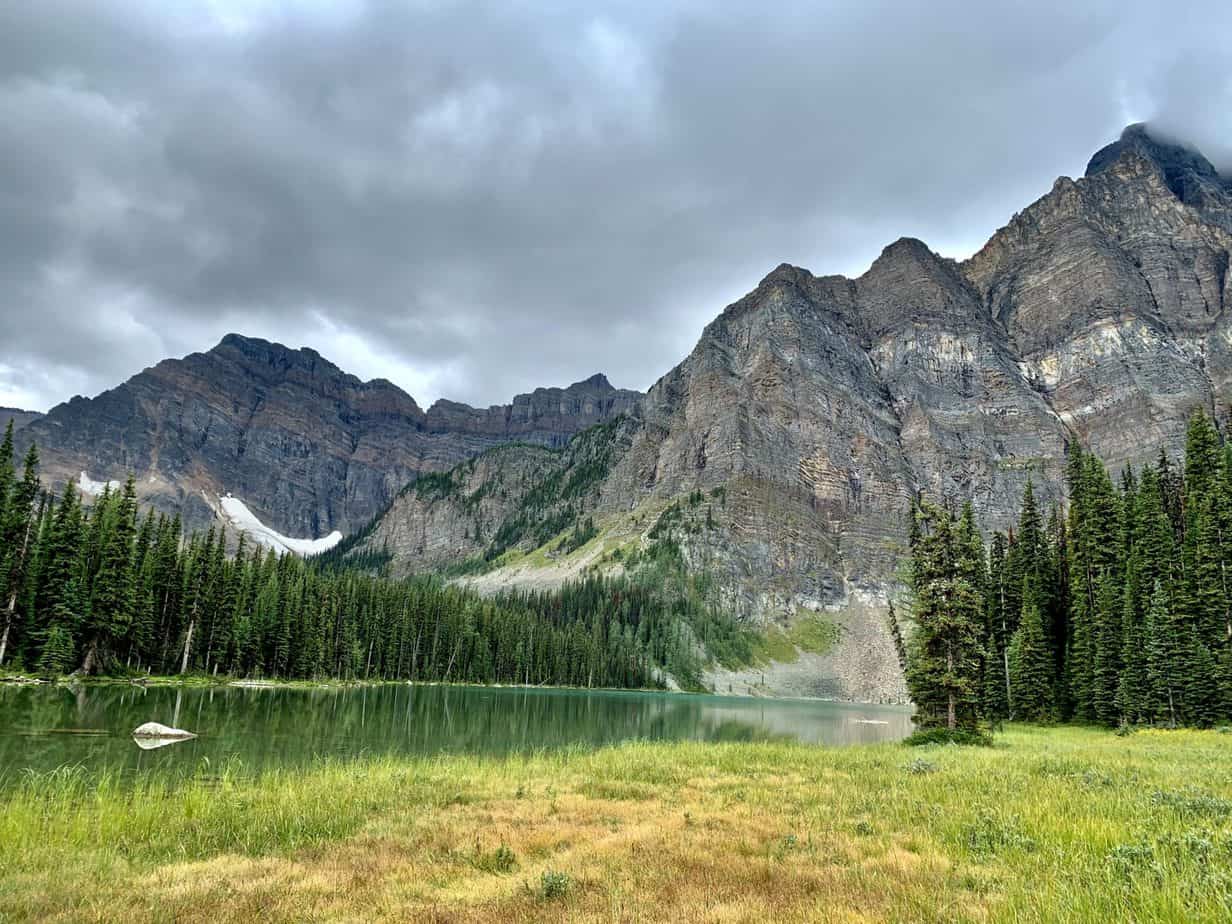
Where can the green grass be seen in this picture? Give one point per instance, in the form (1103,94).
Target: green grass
(813,633)
(1061,824)
(810,632)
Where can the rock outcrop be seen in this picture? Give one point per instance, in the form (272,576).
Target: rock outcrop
(19,417)
(307,447)
(816,407)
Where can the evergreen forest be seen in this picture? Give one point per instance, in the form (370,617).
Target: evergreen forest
(1117,611)
(100,588)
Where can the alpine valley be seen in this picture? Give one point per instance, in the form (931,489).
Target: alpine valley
(780,456)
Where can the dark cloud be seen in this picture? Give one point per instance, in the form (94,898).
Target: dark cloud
(476,198)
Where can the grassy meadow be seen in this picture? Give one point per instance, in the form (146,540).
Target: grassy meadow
(1060,824)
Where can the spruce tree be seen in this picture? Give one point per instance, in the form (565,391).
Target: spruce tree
(17,538)
(1107,651)
(945,653)
(56,598)
(1133,696)
(7,472)
(1165,661)
(112,592)
(1032,668)
(996,679)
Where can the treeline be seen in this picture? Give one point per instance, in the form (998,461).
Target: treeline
(1117,612)
(100,588)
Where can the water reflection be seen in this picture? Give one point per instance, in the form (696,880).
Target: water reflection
(43,727)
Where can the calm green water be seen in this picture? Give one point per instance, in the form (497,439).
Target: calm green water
(45,727)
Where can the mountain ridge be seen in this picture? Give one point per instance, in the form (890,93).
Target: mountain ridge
(820,405)
(309,447)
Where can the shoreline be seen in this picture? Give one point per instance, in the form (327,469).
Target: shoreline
(335,684)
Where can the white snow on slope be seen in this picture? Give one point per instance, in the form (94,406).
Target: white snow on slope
(87,485)
(243,519)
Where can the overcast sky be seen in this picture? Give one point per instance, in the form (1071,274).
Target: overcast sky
(472,199)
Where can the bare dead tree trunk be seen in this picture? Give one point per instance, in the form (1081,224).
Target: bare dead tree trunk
(951,718)
(192,624)
(451,657)
(11,609)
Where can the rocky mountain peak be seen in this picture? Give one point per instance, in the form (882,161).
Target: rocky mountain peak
(308,447)
(265,357)
(1186,170)
(909,282)
(785,275)
(597,381)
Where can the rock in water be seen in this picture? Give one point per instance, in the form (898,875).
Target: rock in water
(164,732)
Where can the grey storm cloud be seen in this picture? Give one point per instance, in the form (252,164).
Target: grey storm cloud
(474,198)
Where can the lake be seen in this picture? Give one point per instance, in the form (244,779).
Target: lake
(48,726)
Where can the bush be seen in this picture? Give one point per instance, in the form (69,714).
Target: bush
(1193,803)
(963,736)
(554,885)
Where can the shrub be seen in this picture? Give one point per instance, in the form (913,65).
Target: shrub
(1192,803)
(963,736)
(553,885)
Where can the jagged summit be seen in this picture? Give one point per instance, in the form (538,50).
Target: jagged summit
(1186,170)
(310,448)
(274,360)
(598,380)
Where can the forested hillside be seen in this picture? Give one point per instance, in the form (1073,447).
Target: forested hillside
(104,589)
(1117,612)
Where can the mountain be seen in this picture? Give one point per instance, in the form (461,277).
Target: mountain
(19,417)
(783,452)
(305,448)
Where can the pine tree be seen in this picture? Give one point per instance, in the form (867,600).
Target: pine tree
(945,654)
(17,535)
(56,598)
(1032,667)
(1165,661)
(996,679)
(1133,696)
(112,593)
(1057,595)
(58,653)
(7,472)
(1202,463)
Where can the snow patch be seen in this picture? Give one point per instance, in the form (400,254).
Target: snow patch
(87,485)
(244,520)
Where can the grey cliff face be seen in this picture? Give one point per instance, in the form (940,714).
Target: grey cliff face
(1113,291)
(308,447)
(19,417)
(821,405)
(548,416)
